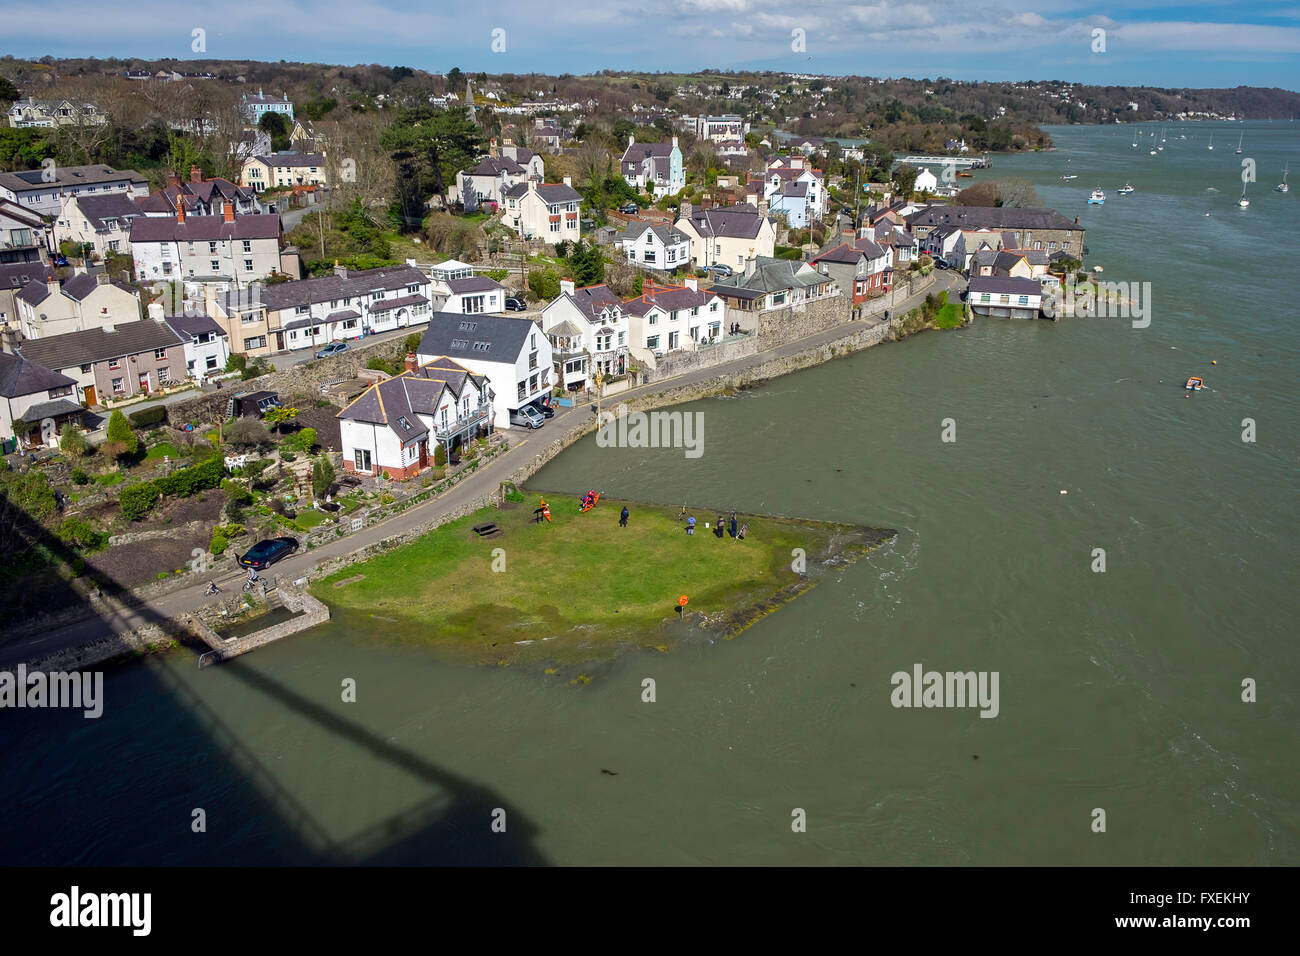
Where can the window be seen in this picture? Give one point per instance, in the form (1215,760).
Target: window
(532,340)
(672,340)
(167,268)
(349,324)
(160,354)
(164,375)
(523,390)
(468,326)
(555,227)
(482,346)
(85,369)
(212,248)
(532,384)
(654,318)
(1024,300)
(256,342)
(248,245)
(248,265)
(361,459)
(211,362)
(403,423)
(119,386)
(216,265)
(649,255)
(460,343)
(114,364)
(652,342)
(532,360)
(621,336)
(61,392)
(472,304)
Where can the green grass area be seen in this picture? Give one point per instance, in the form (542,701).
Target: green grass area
(950,316)
(110,479)
(309,518)
(161,449)
(581,587)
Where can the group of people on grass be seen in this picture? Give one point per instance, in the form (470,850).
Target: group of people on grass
(720,529)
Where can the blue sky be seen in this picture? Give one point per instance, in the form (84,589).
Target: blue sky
(1150,43)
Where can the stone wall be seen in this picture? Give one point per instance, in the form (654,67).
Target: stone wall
(142,640)
(780,326)
(309,613)
(678,363)
(305,377)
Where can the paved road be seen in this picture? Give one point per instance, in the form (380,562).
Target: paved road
(524,445)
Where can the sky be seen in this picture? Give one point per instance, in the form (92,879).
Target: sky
(1148,42)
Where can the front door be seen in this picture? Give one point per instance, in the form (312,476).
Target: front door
(90,396)
(144,382)
(424,453)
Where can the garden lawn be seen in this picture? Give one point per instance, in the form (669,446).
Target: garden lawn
(581,581)
(950,316)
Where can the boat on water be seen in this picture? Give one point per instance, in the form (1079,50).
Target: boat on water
(1195,384)
(1211,146)
(1070,176)
(1282,186)
(1125,189)
(1243,202)
(965,175)
(1240,139)
(1097,198)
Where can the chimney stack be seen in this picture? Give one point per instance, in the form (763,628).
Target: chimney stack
(173,179)
(693,284)
(156,311)
(412,363)
(101,278)
(568,180)
(180,209)
(493,151)
(196,174)
(228,208)
(52,285)
(684,211)
(566,287)
(340,271)
(750,267)
(706,202)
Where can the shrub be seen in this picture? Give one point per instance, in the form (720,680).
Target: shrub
(287,455)
(248,433)
(149,416)
(439,455)
(515,496)
(412,343)
(138,500)
(386,499)
(234,510)
(186,481)
(544,284)
(322,477)
(236,362)
(119,430)
(79,477)
(79,532)
(73,443)
(391,366)
(279,416)
(277,505)
(236,492)
(29,492)
(219,542)
(259,366)
(304,441)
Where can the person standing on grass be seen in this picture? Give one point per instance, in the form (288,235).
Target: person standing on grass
(733,524)
(690,525)
(622,518)
(718,528)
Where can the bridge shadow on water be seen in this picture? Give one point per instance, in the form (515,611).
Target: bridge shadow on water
(97,791)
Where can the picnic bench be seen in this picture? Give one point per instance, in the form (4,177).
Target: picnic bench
(488,530)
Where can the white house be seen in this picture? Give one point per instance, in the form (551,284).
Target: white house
(469,295)
(394,426)
(42,190)
(793,188)
(200,249)
(588,330)
(284,169)
(673,318)
(544,211)
(48,307)
(101,222)
(726,235)
(722,128)
(32,393)
(1005,298)
(652,246)
(48,114)
(22,228)
(207,345)
(656,167)
(926,181)
(512,353)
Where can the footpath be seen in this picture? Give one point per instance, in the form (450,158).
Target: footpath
(128,613)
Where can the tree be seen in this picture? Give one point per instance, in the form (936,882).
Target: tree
(279,416)
(248,433)
(322,477)
(981,194)
(905,178)
(8,92)
(119,430)
(587,263)
(1017,192)
(429,146)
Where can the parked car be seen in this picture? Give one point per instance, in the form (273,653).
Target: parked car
(940,263)
(58,259)
(268,551)
(543,405)
(721,270)
(514,304)
(629,209)
(527,416)
(334,348)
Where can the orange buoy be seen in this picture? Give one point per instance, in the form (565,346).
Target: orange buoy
(683,601)
(1214,362)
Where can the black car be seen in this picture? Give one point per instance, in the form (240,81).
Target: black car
(515,305)
(59,259)
(630,209)
(268,551)
(543,405)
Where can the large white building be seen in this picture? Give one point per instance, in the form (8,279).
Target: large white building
(42,190)
(588,330)
(656,167)
(227,250)
(544,211)
(512,353)
(726,235)
(667,319)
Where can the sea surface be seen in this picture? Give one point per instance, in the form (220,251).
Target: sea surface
(1119,691)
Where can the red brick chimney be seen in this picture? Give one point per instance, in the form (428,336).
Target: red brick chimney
(196,174)
(228,208)
(173,180)
(180,209)
(411,362)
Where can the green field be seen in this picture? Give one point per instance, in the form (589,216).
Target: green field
(581,587)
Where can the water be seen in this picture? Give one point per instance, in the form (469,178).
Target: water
(1118,690)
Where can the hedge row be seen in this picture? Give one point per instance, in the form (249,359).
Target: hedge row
(148,416)
(138,500)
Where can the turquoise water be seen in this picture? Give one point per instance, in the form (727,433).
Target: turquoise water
(1118,690)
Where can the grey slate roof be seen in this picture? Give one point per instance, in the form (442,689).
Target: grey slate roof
(411,394)
(29,179)
(20,376)
(551,193)
(473,284)
(991,217)
(487,338)
(97,345)
(118,206)
(16,275)
(592,300)
(668,235)
(204,228)
(77,288)
(770,275)
(730,222)
(387,305)
(287,295)
(192,324)
(52,409)
(999,286)
(670,300)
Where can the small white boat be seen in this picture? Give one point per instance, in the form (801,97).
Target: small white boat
(1125,189)
(1153,152)
(1211,146)
(1070,177)
(1243,202)
(1097,198)
(1098,269)
(1239,141)
(1282,186)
